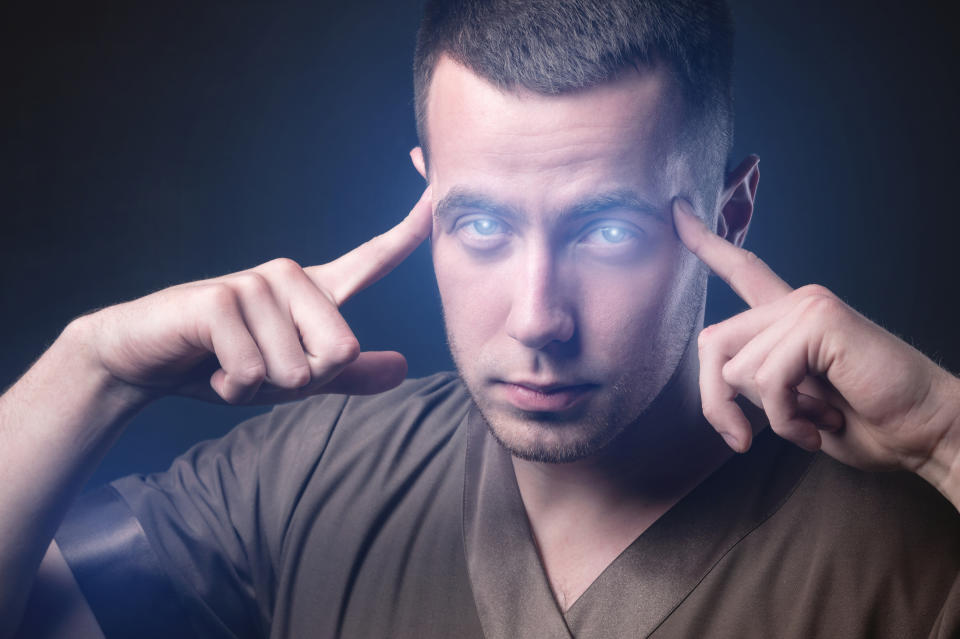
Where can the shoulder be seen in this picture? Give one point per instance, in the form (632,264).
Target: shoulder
(436,401)
(873,512)
(901,501)
(884,544)
(402,426)
(870,524)
(293,436)
(828,550)
(279,452)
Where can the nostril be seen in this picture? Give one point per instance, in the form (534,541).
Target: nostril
(536,330)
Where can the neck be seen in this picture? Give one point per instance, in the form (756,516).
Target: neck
(647,468)
(584,514)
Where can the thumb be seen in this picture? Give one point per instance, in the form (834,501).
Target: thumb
(371,373)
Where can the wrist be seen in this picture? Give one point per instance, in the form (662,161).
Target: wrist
(76,357)
(942,468)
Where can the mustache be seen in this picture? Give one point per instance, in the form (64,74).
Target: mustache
(536,368)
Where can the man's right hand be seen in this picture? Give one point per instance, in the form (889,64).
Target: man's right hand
(272,333)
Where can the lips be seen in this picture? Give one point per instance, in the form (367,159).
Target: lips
(550,398)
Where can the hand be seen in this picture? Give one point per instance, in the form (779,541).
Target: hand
(824,375)
(271,333)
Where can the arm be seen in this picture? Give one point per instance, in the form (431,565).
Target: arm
(273,333)
(826,376)
(56,424)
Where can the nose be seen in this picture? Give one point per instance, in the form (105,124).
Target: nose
(540,312)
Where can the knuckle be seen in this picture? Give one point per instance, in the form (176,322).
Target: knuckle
(814,290)
(283,267)
(296,376)
(343,351)
(765,377)
(252,284)
(220,297)
(823,306)
(731,372)
(250,373)
(706,336)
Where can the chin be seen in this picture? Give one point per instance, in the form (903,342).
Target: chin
(582,432)
(546,438)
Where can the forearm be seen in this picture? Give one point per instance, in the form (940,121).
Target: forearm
(56,423)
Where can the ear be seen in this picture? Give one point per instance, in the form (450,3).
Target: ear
(736,201)
(416,156)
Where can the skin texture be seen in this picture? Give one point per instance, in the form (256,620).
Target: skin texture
(536,295)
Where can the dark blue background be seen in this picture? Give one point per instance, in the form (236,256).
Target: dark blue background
(146,144)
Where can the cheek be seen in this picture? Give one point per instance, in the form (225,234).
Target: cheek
(635,311)
(474,299)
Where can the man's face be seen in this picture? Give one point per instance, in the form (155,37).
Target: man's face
(567,298)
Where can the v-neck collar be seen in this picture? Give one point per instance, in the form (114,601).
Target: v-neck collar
(509,584)
(647,581)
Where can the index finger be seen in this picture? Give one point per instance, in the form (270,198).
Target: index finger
(364,265)
(743,271)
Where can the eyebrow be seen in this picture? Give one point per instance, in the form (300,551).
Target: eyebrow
(623,199)
(459,197)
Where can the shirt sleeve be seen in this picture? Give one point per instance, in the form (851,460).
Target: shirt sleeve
(193,551)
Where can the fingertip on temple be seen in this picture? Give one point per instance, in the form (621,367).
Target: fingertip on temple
(688,226)
(422,211)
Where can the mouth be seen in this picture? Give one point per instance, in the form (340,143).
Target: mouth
(543,398)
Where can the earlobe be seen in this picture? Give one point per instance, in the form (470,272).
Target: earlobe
(416,156)
(736,203)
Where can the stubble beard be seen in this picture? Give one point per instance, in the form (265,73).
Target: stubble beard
(548,438)
(556,441)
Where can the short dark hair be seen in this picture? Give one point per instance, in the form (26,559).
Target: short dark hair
(556,46)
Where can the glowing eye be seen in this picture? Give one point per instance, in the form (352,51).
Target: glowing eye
(614,238)
(610,235)
(614,234)
(482,233)
(485,226)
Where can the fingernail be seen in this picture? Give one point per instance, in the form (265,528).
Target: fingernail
(731,441)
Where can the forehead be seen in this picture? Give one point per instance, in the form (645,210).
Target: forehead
(524,145)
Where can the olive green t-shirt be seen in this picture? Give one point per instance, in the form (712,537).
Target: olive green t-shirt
(398,515)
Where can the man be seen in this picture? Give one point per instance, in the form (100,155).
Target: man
(569,485)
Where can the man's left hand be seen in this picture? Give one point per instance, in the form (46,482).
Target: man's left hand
(825,376)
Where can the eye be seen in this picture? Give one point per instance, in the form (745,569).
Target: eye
(485,226)
(482,232)
(614,234)
(608,234)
